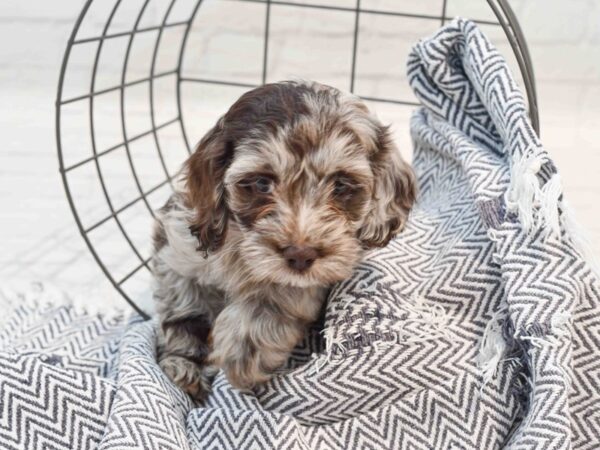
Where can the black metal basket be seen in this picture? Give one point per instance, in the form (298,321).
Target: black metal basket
(123,116)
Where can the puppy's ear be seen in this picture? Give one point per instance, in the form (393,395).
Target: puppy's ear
(394,192)
(204,172)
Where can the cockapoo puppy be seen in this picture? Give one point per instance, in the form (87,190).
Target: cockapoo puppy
(279,201)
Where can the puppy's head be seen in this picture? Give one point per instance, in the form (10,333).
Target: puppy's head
(307,175)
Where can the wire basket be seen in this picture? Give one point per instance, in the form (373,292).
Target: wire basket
(142,80)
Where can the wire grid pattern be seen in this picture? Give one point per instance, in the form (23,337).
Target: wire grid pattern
(80,116)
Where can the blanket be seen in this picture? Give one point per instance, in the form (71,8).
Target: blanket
(477,328)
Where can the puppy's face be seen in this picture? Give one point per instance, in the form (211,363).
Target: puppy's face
(300,198)
(309,177)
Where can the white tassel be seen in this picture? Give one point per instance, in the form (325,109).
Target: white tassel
(535,205)
(551,192)
(432,317)
(492,347)
(524,191)
(331,342)
(43,295)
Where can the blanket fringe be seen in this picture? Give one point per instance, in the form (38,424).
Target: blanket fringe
(524,192)
(535,205)
(544,206)
(432,317)
(549,201)
(492,348)
(41,295)
(501,343)
(331,343)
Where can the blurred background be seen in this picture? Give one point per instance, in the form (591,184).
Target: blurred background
(39,237)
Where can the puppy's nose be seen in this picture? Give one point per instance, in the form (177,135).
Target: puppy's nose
(300,257)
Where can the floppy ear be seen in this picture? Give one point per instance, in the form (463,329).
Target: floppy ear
(204,172)
(394,192)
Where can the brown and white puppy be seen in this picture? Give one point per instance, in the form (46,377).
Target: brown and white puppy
(280,200)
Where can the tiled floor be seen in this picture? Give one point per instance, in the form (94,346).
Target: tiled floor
(38,234)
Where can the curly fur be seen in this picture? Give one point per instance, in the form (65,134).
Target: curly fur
(291,165)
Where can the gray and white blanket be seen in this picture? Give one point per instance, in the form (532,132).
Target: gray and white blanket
(477,328)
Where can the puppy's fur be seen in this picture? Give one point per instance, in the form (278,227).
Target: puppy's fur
(281,198)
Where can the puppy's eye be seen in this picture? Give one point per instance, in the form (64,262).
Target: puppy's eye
(263,185)
(340,187)
(343,187)
(257,184)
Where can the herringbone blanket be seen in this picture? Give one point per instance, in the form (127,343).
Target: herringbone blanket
(477,328)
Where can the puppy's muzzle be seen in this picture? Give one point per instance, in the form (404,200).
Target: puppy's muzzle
(300,257)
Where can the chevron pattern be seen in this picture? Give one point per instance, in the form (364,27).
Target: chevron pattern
(398,362)
(56,370)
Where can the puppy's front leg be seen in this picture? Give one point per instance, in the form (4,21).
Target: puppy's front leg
(252,338)
(182,351)
(186,316)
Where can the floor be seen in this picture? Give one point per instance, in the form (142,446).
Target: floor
(39,237)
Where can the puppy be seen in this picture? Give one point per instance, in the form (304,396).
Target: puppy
(278,202)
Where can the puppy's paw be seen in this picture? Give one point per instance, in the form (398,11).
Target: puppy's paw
(244,368)
(189,376)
